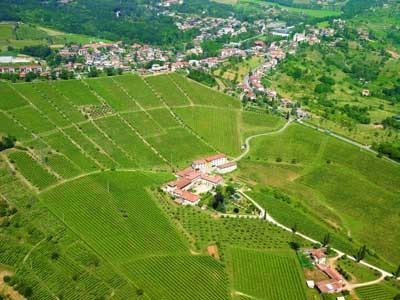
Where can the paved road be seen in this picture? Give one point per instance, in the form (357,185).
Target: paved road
(361,146)
(247,141)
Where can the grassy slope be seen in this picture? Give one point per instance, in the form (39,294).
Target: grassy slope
(85,148)
(353,192)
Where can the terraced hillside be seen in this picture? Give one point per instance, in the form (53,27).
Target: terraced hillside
(82,217)
(89,153)
(68,128)
(334,187)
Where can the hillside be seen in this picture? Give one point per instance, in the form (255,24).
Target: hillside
(89,221)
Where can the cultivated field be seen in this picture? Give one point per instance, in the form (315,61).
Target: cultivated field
(92,153)
(266,274)
(331,182)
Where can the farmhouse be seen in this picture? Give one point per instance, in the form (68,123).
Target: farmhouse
(329,286)
(319,256)
(198,179)
(200,164)
(216,160)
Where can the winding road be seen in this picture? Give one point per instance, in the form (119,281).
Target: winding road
(247,141)
(344,139)
(264,215)
(267,217)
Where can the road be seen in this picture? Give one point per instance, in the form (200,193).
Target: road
(247,141)
(344,139)
(264,215)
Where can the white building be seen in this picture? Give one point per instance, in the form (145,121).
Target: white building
(200,164)
(216,160)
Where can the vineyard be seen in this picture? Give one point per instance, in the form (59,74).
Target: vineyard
(125,122)
(266,274)
(90,223)
(117,206)
(180,277)
(376,292)
(317,170)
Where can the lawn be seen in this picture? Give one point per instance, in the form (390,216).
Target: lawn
(317,13)
(358,272)
(273,275)
(236,71)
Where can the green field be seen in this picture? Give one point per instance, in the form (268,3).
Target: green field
(317,13)
(218,126)
(376,292)
(114,235)
(19,35)
(266,274)
(321,174)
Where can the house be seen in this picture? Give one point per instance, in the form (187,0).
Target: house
(178,184)
(216,160)
(285,102)
(331,272)
(212,181)
(329,286)
(199,164)
(7,69)
(365,93)
(319,256)
(301,113)
(186,198)
(227,167)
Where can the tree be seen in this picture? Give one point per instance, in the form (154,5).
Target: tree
(397,273)
(397,297)
(93,72)
(294,245)
(294,228)
(230,190)
(361,253)
(218,203)
(326,240)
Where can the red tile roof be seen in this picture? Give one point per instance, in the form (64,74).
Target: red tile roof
(318,253)
(329,286)
(227,165)
(188,196)
(180,183)
(185,172)
(213,179)
(215,157)
(331,272)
